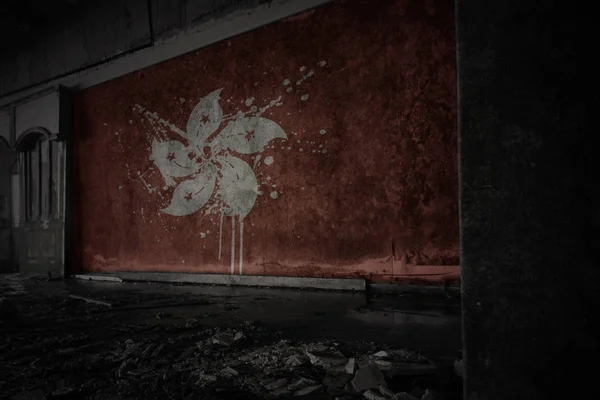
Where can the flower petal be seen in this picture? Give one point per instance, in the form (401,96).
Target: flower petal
(205,118)
(172,160)
(192,195)
(238,187)
(248,135)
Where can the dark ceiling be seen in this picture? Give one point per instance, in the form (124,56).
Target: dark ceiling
(22,20)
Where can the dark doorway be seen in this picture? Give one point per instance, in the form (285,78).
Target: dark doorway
(41,232)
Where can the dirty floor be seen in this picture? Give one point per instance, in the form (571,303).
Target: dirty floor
(106,340)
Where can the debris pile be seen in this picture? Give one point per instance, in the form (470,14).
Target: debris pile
(229,359)
(69,348)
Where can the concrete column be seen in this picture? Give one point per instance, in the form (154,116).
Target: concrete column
(528,222)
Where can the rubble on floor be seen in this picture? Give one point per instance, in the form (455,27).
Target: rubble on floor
(69,348)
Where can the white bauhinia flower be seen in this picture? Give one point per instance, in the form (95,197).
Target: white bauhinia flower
(208,164)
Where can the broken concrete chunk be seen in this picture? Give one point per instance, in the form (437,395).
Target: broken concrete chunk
(404,396)
(384,365)
(368,377)
(123,368)
(331,360)
(204,378)
(307,390)
(227,338)
(386,391)
(374,395)
(229,372)
(223,339)
(191,322)
(148,350)
(158,350)
(351,366)
(300,384)
(131,349)
(295,360)
(381,354)
(277,384)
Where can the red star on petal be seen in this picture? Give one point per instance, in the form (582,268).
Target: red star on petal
(171,156)
(249,135)
(191,155)
(188,196)
(205,119)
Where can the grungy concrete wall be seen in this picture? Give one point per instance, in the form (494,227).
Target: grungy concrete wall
(87,34)
(322,145)
(91,42)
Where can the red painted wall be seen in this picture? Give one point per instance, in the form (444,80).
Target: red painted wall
(366,179)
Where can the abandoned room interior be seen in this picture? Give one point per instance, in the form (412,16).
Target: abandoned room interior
(322,199)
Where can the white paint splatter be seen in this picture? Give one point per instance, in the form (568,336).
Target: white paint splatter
(256,160)
(241,244)
(181,100)
(274,195)
(322,63)
(304,97)
(322,131)
(289,90)
(218,181)
(220,233)
(232,244)
(302,68)
(301,149)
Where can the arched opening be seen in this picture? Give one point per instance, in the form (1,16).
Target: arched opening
(40,181)
(35,159)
